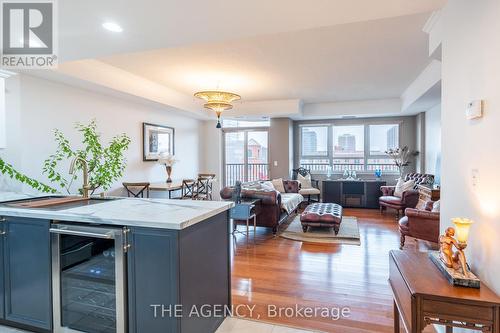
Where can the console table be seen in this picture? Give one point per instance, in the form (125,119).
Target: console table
(423,296)
(352,193)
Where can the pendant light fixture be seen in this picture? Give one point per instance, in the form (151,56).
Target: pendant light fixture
(217,101)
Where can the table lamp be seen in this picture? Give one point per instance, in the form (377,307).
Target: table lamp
(462,227)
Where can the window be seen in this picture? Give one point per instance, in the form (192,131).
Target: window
(314,140)
(245,155)
(348,147)
(383,137)
(314,148)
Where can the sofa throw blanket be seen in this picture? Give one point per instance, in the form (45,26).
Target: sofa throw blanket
(290,201)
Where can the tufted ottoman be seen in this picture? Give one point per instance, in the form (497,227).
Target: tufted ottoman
(322,215)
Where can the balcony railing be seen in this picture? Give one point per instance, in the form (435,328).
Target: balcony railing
(255,171)
(323,167)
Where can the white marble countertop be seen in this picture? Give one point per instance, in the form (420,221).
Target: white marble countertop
(153,213)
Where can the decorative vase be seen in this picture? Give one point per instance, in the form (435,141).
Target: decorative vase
(169,171)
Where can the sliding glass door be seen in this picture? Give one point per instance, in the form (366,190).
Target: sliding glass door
(245,156)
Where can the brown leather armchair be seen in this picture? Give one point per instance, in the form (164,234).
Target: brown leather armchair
(421,224)
(409,199)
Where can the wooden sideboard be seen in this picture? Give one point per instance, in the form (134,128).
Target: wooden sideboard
(352,193)
(423,296)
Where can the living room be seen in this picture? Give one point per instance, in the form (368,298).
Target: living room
(185,167)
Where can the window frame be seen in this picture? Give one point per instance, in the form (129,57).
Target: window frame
(330,144)
(245,130)
(312,157)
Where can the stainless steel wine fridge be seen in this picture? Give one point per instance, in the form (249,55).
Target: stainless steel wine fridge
(89,278)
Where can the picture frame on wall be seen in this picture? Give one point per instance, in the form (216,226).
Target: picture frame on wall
(157,140)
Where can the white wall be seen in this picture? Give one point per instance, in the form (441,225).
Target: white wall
(471,70)
(36,106)
(432,139)
(212,153)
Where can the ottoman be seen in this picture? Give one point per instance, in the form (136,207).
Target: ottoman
(322,215)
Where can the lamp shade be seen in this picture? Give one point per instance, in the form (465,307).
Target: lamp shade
(217,101)
(462,227)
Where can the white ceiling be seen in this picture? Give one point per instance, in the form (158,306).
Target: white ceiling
(289,52)
(356,61)
(152,24)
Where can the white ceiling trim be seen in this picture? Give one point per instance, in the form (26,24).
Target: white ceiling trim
(426,80)
(365,108)
(102,74)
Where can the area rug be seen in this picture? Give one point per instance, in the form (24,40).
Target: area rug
(348,233)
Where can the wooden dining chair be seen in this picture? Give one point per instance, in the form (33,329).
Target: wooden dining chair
(188,189)
(205,185)
(137,190)
(203,189)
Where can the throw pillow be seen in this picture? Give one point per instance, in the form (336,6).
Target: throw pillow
(278,185)
(403,186)
(305,182)
(267,186)
(436,207)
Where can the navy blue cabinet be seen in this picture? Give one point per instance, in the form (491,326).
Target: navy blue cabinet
(26,273)
(178,269)
(152,279)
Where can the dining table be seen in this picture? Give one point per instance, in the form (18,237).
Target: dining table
(168,187)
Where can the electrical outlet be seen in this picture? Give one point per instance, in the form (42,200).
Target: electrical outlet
(275,163)
(475,177)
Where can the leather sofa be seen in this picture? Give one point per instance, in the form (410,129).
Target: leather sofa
(421,224)
(269,210)
(409,199)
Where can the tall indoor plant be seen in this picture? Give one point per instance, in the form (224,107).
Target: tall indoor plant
(106,163)
(401,157)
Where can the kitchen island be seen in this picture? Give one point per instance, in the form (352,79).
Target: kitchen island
(119,265)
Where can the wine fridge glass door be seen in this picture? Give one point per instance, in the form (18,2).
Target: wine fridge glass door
(88,279)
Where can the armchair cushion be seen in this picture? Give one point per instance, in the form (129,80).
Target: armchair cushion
(309,191)
(390,199)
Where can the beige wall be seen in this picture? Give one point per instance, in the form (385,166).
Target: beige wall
(471,70)
(280,140)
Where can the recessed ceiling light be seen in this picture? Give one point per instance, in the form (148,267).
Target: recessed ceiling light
(111,26)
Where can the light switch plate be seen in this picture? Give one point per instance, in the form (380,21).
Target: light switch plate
(474,109)
(475,177)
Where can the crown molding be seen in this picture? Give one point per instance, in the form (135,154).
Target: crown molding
(431,21)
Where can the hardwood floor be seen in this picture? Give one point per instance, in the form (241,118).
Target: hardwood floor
(273,270)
